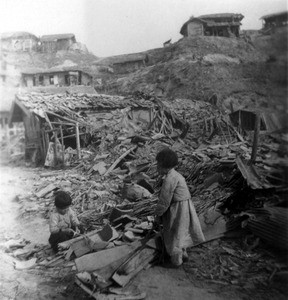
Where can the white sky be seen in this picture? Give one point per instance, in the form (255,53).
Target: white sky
(112,27)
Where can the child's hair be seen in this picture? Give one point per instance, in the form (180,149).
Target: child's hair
(62,199)
(167,158)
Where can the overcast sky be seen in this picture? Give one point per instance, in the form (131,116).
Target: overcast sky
(112,27)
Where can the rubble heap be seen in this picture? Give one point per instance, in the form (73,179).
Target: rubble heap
(114,182)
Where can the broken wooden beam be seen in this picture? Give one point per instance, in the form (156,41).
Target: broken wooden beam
(119,159)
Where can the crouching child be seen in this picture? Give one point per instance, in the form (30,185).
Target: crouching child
(63,222)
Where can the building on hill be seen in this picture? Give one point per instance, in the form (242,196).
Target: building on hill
(19,41)
(55,77)
(129,62)
(125,63)
(225,24)
(274,20)
(56,42)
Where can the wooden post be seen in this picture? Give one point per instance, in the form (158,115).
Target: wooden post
(63,147)
(256,138)
(78,140)
(55,148)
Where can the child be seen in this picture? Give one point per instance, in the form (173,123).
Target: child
(181,226)
(63,221)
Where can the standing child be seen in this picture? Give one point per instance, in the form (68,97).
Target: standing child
(181,226)
(63,220)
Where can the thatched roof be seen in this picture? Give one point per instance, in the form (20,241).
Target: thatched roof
(56,37)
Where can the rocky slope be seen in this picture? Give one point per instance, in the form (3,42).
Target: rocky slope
(243,72)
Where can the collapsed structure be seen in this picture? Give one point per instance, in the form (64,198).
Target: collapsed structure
(114,184)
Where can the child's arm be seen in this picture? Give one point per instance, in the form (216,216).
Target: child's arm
(73,219)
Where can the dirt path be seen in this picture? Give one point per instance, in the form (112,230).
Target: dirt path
(159,283)
(25,284)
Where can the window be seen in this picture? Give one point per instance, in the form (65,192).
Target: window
(34,80)
(41,80)
(51,79)
(67,80)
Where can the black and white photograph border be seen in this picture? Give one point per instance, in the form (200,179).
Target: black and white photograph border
(143,149)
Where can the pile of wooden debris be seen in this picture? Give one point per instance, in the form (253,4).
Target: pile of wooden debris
(114,184)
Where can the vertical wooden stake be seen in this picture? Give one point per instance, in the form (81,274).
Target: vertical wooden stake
(78,140)
(256,138)
(55,148)
(62,142)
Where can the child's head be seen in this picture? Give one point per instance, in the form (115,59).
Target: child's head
(166,159)
(62,202)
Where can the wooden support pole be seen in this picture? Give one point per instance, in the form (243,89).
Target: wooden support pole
(256,138)
(78,141)
(63,147)
(55,148)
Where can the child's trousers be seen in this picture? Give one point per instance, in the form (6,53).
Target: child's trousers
(59,237)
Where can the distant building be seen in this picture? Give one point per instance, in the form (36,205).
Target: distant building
(19,41)
(275,20)
(225,24)
(129,62)
(56,42)
(55,76)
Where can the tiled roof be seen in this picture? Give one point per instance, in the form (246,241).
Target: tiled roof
(71,105)
(283,13)
(61,89)
(32,71)
(53,37)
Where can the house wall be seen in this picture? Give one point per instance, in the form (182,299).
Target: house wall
(127,67)
(86,79)
(63,44)
(53,46)
(75,78)
(28,80)
(19,44)
(33,139)
(195,28)
(61,79)
(48,46)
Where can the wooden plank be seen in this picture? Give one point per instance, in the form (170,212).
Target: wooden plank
(119,159)
(98,260)
(93,243)
(49,188)
(256,138)
(63,146)
(134,266)
(78,140)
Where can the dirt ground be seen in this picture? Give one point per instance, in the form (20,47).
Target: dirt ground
(157,282)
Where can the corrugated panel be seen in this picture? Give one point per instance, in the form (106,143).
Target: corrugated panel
(271,225)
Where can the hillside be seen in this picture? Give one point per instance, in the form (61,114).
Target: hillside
(235,70)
